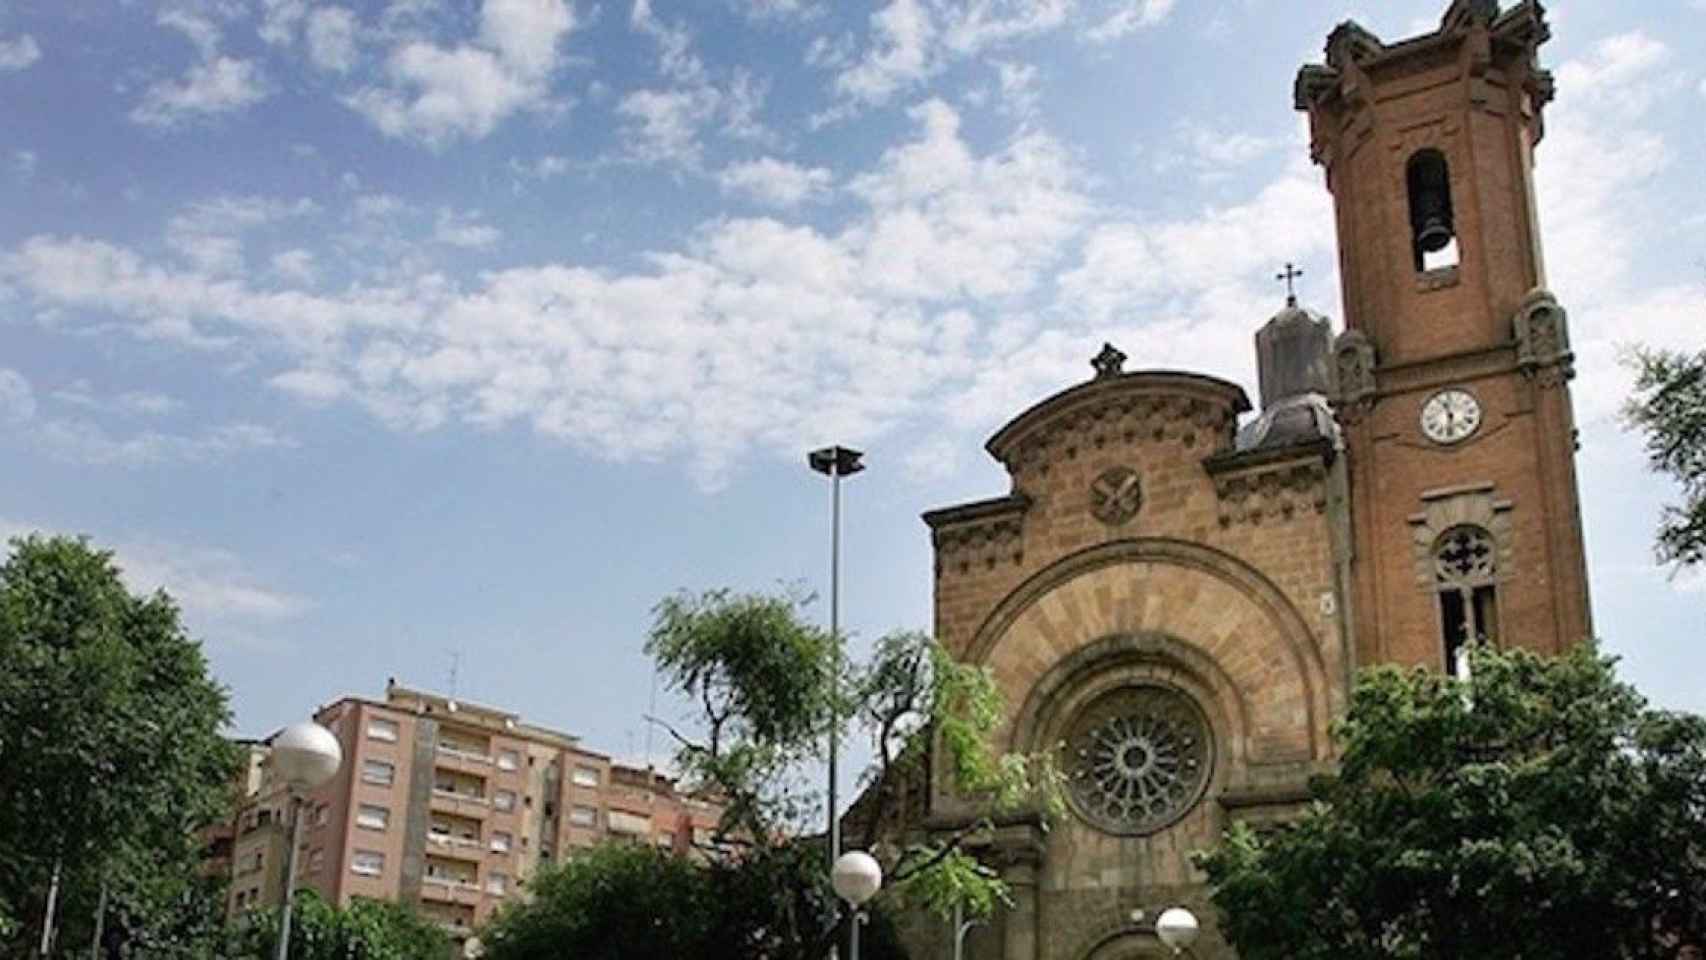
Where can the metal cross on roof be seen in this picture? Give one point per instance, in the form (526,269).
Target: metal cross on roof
(1109,363)
(1289,275)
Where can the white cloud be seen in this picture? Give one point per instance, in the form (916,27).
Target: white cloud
(200,30)
(18,53)
(85,442)
(1019,87)
(295,265)
(209,234)
(1128,17)
(1622,74)
(775,182)
(211,584)
(899,55)
(665,124)
(17,398)
(332,39)
(313,386)
(975,25)
(220,85)
(464,230)
(134,403)
(745,325)
(437,94)
(24,164)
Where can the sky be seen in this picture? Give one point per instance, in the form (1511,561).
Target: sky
(439,339)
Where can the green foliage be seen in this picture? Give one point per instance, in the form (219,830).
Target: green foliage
(1669,406)
(110,751)
(632,902)
(1538,810)
(761,677)
(365,930)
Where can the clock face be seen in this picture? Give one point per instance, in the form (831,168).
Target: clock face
(1450,416)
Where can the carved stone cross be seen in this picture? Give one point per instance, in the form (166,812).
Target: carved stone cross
(1109,363)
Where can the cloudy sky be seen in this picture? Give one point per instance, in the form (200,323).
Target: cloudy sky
(383,333)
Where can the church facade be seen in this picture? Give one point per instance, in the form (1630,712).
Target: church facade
(1177,589)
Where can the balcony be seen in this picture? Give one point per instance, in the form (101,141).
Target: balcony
(459,848)
(460,804)
(441,889)
(464,760)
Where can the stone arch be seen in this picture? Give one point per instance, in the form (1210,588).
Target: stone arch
(1120,941)
(1206,613)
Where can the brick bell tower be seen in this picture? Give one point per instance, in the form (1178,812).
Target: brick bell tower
(1451,380)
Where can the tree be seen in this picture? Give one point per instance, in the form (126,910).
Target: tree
(1538,809)
(761,679)
(365,930)
(1669,406)
(111,756)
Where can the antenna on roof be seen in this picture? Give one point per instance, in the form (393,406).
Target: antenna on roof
(455,669)
(651,711)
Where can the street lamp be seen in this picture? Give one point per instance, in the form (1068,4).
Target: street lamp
(306,756)
(834,462)
(962,927)
(856,878)
(1177,928)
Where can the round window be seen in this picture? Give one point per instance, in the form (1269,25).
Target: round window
(1138,758)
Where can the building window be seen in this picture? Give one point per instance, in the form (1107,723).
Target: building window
(509,760)
(583,816)
(316,860)
(1465,574)
(497,884)
(368,863)
(585,776)
(373,817)
(251,863)
(379,728)
(504,800)
(500,842)
(322,814)
(378,772)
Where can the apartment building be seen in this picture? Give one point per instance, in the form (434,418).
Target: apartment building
(450,806)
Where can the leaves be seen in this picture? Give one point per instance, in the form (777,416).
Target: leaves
(1669,406)
(111,754)
(1541,788)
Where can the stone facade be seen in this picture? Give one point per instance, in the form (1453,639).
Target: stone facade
(1175,603)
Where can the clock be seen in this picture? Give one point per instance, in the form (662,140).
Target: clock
(1451,416)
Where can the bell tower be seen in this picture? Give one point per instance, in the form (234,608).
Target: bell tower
(1451,380)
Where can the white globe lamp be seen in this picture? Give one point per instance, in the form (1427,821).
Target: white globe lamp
(856,878)
(1177,928)
(305,756)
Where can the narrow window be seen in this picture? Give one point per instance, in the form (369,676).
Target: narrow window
(1433,231)
(378,728)
(1465,575)
(378,772)
(372,817)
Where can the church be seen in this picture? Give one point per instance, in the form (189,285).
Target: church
(1177,589)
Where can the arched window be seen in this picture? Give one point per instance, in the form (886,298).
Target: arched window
(1433,230)
(1465,573)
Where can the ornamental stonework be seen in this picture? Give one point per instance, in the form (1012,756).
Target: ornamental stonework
(1137,758)
(1116,496)
(1272,494)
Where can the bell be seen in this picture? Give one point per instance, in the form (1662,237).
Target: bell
(1430,202)
(1433,234)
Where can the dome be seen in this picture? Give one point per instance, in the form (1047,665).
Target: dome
(1295,421)
(1292,353)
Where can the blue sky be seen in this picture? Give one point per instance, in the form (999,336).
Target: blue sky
(378,332)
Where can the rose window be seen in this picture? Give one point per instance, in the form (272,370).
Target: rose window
(1138,758)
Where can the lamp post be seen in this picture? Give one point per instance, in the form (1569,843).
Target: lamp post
(306,756)
(835,462)
(1177,928)
(961,928)
(856,878)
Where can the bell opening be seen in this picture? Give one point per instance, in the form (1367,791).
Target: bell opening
(1432,232)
